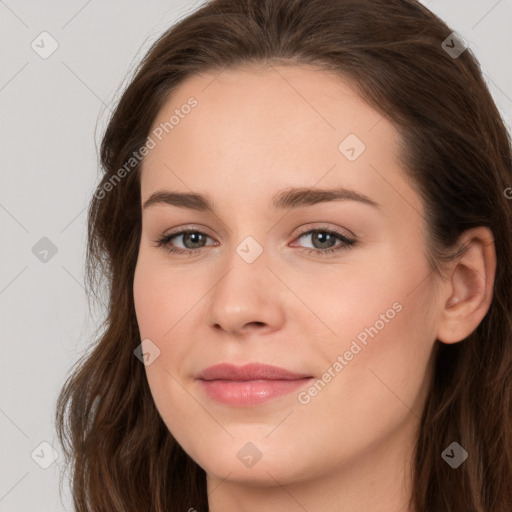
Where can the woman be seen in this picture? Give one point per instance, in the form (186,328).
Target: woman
(305,229)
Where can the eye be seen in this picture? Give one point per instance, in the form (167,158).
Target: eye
(325,239)
(194,241)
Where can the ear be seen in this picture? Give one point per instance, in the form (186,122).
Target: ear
(469,290)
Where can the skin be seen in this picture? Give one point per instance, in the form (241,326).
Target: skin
(253,133)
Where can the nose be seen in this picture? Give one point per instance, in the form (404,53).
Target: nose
(247,298)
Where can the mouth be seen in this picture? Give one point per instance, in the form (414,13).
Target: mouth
(249,385)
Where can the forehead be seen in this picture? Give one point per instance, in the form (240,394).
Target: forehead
(270,105)
(281,125)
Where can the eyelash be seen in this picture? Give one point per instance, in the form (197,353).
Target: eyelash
(348,242)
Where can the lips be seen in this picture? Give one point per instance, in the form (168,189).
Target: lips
(249,385)
(251,371)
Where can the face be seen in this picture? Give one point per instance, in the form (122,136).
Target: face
(332,287)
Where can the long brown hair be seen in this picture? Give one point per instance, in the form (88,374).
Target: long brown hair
(457,152)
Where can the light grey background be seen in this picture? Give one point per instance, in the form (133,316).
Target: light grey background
(53,112)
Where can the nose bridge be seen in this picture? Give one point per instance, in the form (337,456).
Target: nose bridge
(247,273)
(248,238)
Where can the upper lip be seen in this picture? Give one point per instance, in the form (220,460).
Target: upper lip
(251,371)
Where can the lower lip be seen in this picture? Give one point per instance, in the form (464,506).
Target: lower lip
(249,392)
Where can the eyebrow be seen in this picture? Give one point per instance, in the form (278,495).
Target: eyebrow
(291,198)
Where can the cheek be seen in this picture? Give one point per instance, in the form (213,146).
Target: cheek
(163,305)
(381,300)
(161,298)
(385,332)
(381,388)
(385,345)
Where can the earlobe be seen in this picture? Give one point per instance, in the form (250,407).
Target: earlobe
(470,287)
